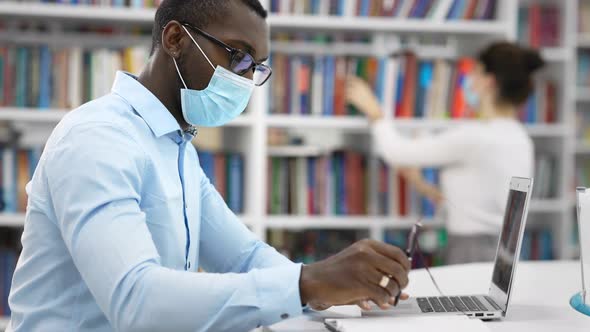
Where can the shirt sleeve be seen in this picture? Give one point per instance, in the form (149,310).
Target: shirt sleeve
(444,149)
(95,179)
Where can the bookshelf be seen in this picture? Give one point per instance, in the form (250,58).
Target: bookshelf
(250,132)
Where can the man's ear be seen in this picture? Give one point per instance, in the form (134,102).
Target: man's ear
(173,39)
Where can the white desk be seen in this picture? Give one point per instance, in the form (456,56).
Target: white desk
(540,301)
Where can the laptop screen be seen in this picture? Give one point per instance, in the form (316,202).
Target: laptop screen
(507,256)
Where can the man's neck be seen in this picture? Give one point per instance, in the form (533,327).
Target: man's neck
(158,85)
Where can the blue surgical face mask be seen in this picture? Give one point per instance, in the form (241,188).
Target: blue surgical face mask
(224,99)
(471,97)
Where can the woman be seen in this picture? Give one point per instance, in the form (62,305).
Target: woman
(476,159)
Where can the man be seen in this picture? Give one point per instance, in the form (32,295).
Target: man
(121,216)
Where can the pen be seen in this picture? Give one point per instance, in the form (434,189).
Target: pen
(412,244)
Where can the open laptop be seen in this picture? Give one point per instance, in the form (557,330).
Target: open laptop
(494,305)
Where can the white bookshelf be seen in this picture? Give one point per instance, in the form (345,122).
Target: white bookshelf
(16,114)
(145,17)
(251,130)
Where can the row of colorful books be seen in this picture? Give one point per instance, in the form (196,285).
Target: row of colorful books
(16,170)
(417,9)
(338,184)
(327,185)
(584,68)
(539,25)
(226,173)
(310,246)
(537,245)
(406,86)
(112,3)
(47,77)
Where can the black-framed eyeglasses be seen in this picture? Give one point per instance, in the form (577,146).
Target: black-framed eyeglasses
(240,61)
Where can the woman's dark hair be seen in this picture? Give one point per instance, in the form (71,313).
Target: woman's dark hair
(512,66)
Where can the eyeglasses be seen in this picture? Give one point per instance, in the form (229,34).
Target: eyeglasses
(240,61)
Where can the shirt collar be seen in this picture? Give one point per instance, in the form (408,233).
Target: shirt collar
(148,106)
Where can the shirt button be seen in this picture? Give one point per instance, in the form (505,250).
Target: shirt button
(284,316)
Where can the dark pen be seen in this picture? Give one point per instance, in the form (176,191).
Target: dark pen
(412,241)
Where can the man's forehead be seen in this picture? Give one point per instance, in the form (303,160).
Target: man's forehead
(242,27)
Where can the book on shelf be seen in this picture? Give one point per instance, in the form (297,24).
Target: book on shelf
(397,198)
(406,9)
(584,17)
(17,167)
(541,106)
(47,77)
(334,184)
(226,172)
(110,3)
(583,78)
(310,246)
(537,245)
(583,173)
(583,127)
(539,25)
(9,252)
(546,176)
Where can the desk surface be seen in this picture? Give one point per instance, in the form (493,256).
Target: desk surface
(540,300)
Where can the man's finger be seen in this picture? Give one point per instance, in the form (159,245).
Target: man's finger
(377,277)
(364,305)
(392,252)
(403,297)
(391,268)
(379,296)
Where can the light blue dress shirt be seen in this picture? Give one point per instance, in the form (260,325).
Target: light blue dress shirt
(121,216)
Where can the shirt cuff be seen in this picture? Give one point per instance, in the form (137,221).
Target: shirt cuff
(278,293)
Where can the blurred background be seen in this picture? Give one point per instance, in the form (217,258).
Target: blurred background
(299,166)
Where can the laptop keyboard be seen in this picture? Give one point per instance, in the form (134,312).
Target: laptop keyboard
(453,304)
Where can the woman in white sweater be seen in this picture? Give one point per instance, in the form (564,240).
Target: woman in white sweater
(476,159)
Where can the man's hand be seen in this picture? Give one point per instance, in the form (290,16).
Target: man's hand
(353,276)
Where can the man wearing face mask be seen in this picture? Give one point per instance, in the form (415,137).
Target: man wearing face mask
(121,216)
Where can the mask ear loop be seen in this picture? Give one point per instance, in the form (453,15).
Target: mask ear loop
(175,64)
(200,49)
(178,71)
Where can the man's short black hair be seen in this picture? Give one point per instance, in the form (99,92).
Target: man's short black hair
(199,13)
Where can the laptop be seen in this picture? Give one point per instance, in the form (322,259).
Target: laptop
(494,305)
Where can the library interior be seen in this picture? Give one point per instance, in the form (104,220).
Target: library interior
(308,167)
